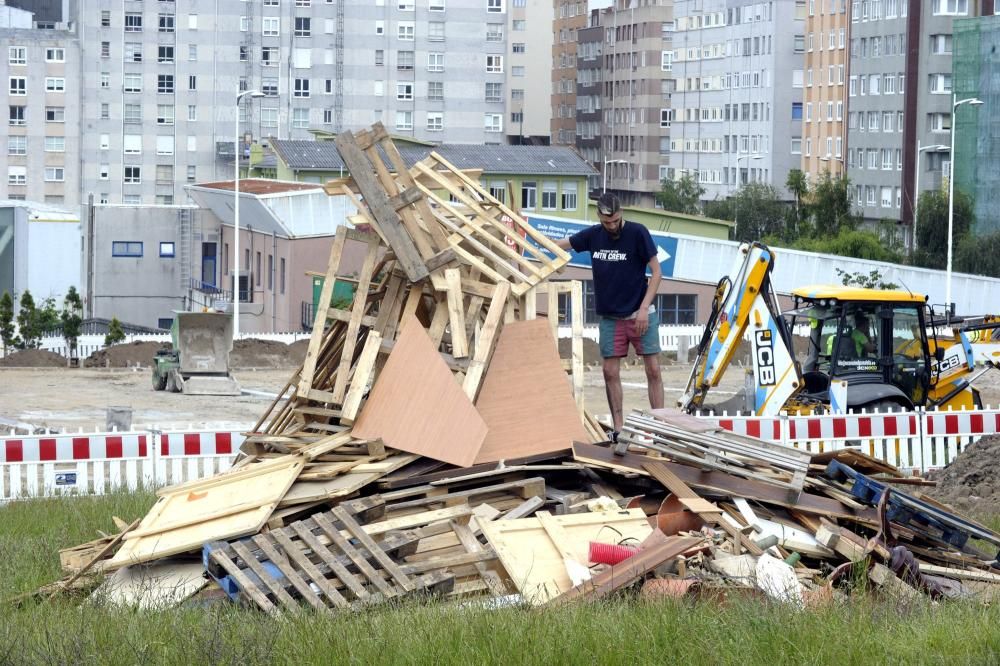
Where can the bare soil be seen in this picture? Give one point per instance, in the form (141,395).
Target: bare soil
(971,483)
(33,358)
(129,355)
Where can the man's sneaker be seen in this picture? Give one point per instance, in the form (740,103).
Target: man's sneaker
(613,436)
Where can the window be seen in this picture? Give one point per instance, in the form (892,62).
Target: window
(18,85)
(132,199)
(192,82)
(55,144)
(17,117)
(166,23)
(105,49)
(17,175)
(245,24)
(301,88)
(404,120)
(105,18)
(133,52)
(303,26)
(105,111)
(268,117)
(404,91)
(379,57)
(435,5)
(518,25)
(126,248)
(271,26)
(192,144)
(494,32)
(796,110)
(105,170)
(404,31)
(493,122)
(494,6)
(192,173)
(55,84)
(529,193)
(405,5)
(327,116)
(796,147)
(132,83)
(435,62)
(676,308)
(941,44)
(940,84)
(300,118)
(549,195)
(435,31)
(192,21)
(269,56)
(54,55)
(379,27)
(950,7)
(133,22)
(494,92)
(166,248)
(17,145)
(494,64)
(192,112)
(105,141)
(517,70)
(666,117)
(165,83)
(55,174)
(106,80)
(193,52)
(518,47)
(164,114)
(132,144)
(435,91)
(435,121)
(404,60)
(165,54)
(569,195)
(133,175)
(666,61)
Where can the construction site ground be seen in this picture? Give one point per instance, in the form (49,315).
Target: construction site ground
(71,398)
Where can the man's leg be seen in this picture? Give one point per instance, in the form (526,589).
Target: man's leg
(613,387)
(654,381)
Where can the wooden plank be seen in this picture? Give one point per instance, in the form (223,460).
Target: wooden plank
(416,405)
(456,314)
(354,326)
(576,327)
(359,560)
(473,547)
(276,588)
(246,585)
(362,373)
(388,565)
(296,554)
(107,548)
(440,322)
(319,323)
(526,401)
(487,340)
(331,560)
(290,573)
(388,220)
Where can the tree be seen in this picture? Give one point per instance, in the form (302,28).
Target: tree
(7,335)
(932,226)
(871,280)
(798,185)
(978,255)
(115,333)
(830,205)
(681,196)
(48,316)
(851,243)
(27,321)
(759,212)
(72,318)
(719,209)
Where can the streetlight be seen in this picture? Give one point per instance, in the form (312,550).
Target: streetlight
(955,103)
(236,214)
(736,201)
(916,185)
(604,187)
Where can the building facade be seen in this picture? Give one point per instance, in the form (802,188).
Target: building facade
(739,71)
(589,77)
(571,16)
(528,91)
(824,96)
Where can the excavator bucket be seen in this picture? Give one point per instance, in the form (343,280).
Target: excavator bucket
(204,341)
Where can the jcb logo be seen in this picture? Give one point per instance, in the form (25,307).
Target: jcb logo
(765,357)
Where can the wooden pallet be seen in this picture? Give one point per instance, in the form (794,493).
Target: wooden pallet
(312,561)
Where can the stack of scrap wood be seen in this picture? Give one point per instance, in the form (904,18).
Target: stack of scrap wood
(431,443)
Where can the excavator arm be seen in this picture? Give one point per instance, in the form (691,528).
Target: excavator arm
(745,301)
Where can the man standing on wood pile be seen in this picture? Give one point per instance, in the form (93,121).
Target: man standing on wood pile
(620,252)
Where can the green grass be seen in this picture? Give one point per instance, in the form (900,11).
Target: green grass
(864,630)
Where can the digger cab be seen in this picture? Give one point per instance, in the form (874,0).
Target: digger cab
(873,339)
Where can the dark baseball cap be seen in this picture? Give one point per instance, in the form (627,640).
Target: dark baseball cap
(608,204)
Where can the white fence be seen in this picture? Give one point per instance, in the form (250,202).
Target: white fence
(88,344)
(48,465)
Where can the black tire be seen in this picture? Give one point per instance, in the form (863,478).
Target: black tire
(171,385)
(159,382)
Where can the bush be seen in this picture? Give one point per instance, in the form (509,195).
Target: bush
(115,333)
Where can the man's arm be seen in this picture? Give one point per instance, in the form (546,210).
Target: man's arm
(563,243)
(642,317)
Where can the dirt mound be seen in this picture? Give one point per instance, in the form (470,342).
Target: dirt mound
(591,351)
(33,358)
(972,480)
(297,350)
(254,353)
(126,355)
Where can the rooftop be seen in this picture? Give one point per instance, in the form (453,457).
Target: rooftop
(261,186)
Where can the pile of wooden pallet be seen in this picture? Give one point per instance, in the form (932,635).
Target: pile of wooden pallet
(431,443)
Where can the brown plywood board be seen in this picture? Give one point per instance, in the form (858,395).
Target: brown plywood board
(417,406)
(537,566)
(526,398)
(222,507)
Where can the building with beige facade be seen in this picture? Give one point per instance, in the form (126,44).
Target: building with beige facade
(824,96)
(570,18)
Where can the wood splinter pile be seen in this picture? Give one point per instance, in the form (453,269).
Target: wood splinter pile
(431,443)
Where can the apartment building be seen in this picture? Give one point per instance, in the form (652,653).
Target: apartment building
(900,103)
(571,16)
(529,77)
(38,68)
(739,71)
(636,83)
(589,77)
(155,85)
(824,96)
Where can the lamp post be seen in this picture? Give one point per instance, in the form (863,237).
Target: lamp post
(236,213)
(604,186)
(736,200)
(955,103)
(916,186)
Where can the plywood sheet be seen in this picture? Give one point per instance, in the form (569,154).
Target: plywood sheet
(154,586)
(526,398)
(536,565)
(417,406)
(221,507)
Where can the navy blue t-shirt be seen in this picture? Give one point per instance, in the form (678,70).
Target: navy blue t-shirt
(619,266)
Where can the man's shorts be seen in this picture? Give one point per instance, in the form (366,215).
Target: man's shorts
(617,334)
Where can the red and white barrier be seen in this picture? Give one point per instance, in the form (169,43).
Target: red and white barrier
(33,466)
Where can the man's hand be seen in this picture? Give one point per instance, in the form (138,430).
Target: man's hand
(642,321)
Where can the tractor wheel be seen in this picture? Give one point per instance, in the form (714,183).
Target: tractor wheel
(159,381)
(171,383)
